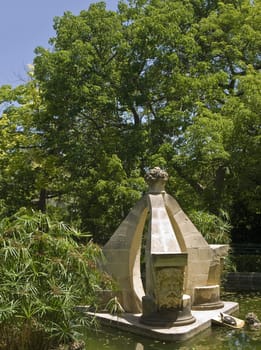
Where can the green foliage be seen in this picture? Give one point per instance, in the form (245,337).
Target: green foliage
(28,167)
(215,229)
(105,197)
(44,275)
(169,83)
(114,307)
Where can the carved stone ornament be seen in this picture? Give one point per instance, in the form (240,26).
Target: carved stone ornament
(169,287)
(156,178)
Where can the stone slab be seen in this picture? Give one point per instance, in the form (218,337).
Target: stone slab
(130,322)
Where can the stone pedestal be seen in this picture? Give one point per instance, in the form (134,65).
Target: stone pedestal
(207,298)
(167,317)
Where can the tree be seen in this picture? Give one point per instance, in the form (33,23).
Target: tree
(30,173)
(167,83)
(17,147)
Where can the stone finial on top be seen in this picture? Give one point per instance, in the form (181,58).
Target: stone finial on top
(156,178)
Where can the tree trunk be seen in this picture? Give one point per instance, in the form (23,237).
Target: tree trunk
(42,200)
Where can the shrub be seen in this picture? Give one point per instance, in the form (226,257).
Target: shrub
(215,229)
(44,273)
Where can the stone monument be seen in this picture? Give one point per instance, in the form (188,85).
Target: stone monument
(182,269)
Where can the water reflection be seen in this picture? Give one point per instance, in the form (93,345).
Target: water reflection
(217,338)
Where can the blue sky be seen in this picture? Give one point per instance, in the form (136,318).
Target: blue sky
(26,24)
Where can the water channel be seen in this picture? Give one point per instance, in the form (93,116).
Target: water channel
(216,337)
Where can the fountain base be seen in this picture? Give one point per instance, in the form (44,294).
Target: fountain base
(169,317)
(131,323)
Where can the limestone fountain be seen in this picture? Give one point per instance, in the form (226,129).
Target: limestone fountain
(182,275)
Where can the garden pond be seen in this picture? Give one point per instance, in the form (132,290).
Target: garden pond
(216,337)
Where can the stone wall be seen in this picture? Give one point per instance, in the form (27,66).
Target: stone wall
(243,281)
